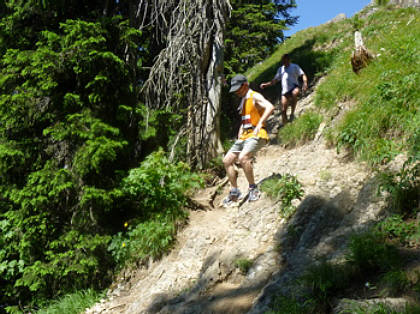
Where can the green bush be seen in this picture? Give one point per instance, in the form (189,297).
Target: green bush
(159,186)
(158,191)
(404,186)
(151,238)
(301,130)
(395,227)
(72,303)
(357,22)
(284,188)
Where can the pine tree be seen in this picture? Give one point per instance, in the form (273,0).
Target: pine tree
(253,31)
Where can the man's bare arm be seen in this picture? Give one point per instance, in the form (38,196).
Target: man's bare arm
(267,84)
(268,107)
(241,129)
(305,82)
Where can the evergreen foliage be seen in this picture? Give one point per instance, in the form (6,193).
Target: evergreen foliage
(64,104)
(71,128)
(254,30)
(73,137)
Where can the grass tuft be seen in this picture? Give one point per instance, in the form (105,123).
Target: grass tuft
(301,130)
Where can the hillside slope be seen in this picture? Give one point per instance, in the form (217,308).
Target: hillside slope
(240,260)
(199,275)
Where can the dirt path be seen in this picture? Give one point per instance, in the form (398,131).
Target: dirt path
(200,276)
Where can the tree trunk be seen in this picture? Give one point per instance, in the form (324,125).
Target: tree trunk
(188,72)
(207,144)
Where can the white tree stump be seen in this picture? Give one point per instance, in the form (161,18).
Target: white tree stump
(361,56)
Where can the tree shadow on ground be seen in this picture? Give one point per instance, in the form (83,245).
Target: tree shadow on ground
(320,227)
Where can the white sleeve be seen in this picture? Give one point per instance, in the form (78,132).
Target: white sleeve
(277,77)
(299,70)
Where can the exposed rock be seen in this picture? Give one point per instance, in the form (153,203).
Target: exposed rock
(351,306)
(338,18)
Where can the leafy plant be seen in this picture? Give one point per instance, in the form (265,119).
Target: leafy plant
(357,22)
(72,303)
(396,227)
(150,239)
(159,186)
(283,188)
(325,175)
(158,192)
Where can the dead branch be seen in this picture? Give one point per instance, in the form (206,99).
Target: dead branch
(181,76)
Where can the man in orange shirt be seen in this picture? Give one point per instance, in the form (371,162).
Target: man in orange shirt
(252,135)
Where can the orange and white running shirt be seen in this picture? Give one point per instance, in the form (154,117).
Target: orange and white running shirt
(250,117)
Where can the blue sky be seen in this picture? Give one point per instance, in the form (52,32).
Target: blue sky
(316,12)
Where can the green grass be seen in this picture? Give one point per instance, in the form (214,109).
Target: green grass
(386,93)
(283,304)
(243,264)
(385,97)
(72,303)
(324,281)
(382,121)
(301,130)
(369,253)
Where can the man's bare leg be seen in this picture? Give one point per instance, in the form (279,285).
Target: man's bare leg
(284,103)
(245,159)
(228,161)
(293,101)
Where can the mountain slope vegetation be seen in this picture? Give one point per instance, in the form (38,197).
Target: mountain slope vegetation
(373,116)
(287,256)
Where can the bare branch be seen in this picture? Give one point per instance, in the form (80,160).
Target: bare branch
(184,74)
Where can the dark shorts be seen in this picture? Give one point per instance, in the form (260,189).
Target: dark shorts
(289,92)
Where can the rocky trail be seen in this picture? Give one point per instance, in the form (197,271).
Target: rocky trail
(200,274)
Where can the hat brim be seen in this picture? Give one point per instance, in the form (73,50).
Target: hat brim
(235,87)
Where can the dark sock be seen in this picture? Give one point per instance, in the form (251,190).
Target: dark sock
(252,186)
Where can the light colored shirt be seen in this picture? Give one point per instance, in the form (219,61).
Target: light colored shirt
(289,77)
